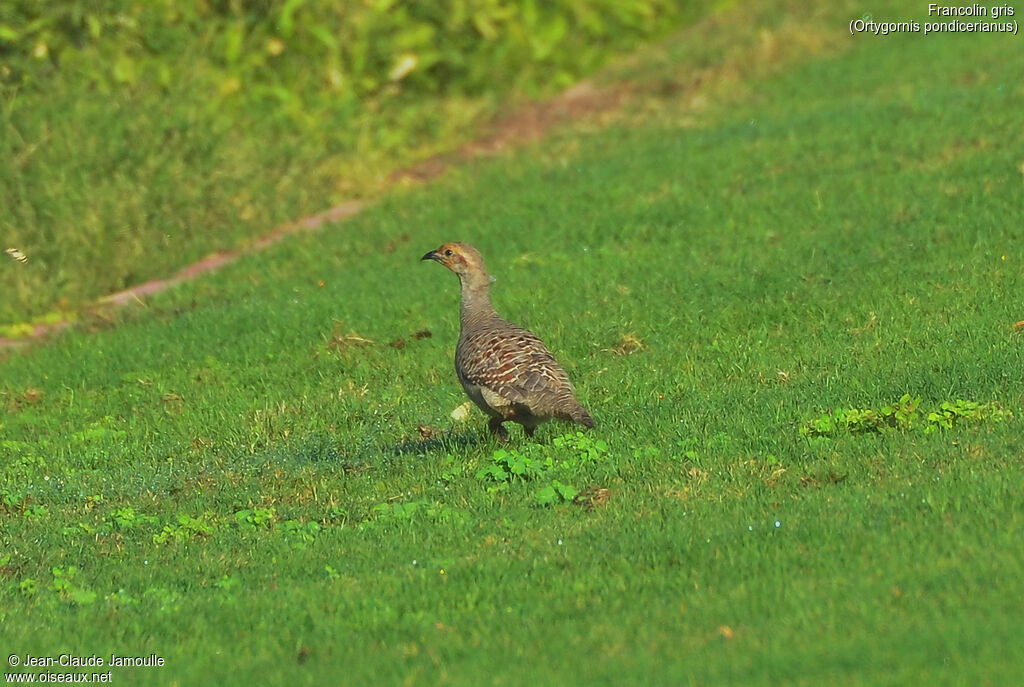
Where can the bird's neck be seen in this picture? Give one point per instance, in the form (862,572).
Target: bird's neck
(476,300)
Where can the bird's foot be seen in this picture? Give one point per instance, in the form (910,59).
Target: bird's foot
(498,430)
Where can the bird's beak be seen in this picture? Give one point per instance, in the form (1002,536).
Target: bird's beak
(432,255)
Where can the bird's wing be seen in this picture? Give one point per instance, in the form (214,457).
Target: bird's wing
(513,363)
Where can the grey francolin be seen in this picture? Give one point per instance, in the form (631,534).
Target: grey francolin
(506,370)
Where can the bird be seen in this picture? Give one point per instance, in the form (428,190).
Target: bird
(506,370)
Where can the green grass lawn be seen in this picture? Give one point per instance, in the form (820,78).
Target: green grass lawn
(256,475)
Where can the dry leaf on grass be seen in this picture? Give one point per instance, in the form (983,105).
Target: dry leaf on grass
(592,497)
(629,343)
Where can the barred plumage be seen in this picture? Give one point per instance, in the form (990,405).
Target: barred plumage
(506,370)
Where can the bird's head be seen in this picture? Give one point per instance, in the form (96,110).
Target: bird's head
(461,258)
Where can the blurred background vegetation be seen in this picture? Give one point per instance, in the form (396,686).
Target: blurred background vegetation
(137,136)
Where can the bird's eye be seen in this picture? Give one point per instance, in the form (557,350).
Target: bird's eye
(448,252)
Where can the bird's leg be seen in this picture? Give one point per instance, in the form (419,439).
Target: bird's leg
(497,429)
(529,430)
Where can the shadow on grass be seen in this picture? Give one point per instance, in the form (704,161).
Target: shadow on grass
(440,443)
(360,453)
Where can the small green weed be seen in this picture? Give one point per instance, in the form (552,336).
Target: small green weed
(904,415)
(186,529)
(28,586)
(125,519)
(301,533)
(568,457)
(399,511)
(252,519)
(556,492)
(412,510)
(65,584)
(99,431)
(582,450)
(79,528)
(228,583)
(950,413)
(336,515)
(508,467)
(36,511)
(12,501)
(453,470)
